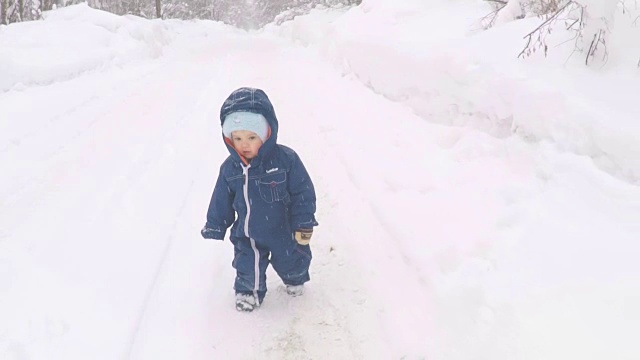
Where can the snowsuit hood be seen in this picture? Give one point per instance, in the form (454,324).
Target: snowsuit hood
(256,101)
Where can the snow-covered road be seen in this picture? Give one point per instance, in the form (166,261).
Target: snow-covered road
(108,187)
(190,314)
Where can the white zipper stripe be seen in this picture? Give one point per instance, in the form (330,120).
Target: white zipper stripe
(256,253)
(245,191)
(256,269)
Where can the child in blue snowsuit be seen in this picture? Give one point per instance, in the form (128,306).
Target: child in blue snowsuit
(268,187)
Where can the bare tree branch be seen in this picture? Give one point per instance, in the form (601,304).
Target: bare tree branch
(539,30)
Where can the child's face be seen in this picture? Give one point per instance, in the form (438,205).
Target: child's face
(247,143)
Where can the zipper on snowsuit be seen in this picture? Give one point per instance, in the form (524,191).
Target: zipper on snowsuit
(256,263)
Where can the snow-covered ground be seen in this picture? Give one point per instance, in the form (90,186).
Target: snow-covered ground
(471,205)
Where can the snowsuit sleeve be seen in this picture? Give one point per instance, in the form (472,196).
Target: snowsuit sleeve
(220,214)
(303,196)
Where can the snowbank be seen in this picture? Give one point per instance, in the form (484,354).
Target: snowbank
(84,39)
(468,78)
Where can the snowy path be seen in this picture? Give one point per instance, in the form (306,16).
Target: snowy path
(337,318)
(107,194)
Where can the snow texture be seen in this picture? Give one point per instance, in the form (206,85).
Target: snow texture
(472,205)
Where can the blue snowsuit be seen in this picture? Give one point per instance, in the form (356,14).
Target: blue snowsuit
(273,197)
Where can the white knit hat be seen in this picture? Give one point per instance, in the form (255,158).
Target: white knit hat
(245,120)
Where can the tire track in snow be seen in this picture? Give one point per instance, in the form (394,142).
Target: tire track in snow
(32,172)
(137,326)
(127,159)
(180,133)
(61,104)
(184,136)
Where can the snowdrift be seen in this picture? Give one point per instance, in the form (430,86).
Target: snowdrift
(474,78)
(85,39)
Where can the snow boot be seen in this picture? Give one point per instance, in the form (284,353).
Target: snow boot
(295,290)
(246,302)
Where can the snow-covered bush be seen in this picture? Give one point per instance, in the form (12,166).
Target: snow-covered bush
(541,7)
(590,23)
(508,10)
(291,13)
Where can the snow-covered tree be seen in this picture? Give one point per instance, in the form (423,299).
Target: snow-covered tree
(19,10)
(3,12)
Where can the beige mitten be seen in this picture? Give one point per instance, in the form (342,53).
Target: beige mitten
(303,236)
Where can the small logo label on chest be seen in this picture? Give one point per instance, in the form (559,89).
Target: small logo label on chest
(271,170)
